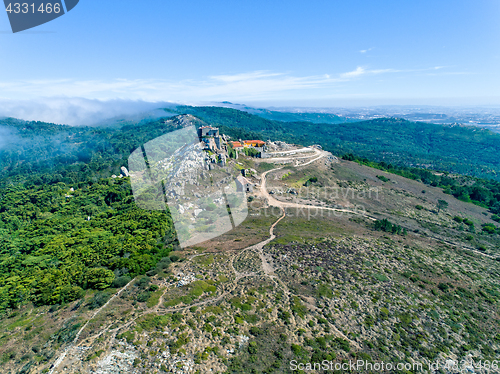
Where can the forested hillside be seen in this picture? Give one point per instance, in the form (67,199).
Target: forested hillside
(301,117)
(44,152)
(55,243)
(459,149)
(482,192)
(71,236)
(66,226)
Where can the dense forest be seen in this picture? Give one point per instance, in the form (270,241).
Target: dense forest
(48,153)
(300,117)
(275,115)
(54,243)
(67,226)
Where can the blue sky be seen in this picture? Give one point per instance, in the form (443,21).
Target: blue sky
(267,52)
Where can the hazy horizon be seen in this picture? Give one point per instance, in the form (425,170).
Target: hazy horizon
(302,54)
(80,111)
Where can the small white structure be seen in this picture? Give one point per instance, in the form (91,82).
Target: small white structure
(244,184)
(124,171)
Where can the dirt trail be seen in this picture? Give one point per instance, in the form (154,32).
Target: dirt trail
(317,152)
(258,248)
(75,340)
(273,202)
(269,272)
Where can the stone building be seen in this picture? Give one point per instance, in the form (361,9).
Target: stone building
(243,184)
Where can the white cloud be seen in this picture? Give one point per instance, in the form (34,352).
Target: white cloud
(6,137)
(355,73)
(244,76)
(74,111)
(256,84)
(77,102)
(362,71)
(86,102)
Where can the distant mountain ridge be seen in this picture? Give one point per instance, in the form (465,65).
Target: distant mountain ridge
(288,116)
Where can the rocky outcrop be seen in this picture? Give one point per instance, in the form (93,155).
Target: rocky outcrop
(124,171)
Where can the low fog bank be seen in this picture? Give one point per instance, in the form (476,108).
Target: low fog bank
(80,111)
(7,137)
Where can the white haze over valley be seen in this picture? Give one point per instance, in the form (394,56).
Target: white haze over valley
(77,111)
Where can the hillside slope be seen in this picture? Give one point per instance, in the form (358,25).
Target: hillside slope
(335,261)
(317,281)
(461,149)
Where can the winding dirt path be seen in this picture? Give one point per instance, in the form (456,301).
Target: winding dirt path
(281,204)
(72,345)
(280,158)
(258,248)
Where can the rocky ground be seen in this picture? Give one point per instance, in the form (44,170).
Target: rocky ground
(288,285)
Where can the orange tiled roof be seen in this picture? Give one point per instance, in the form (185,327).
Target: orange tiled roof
(254,142)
